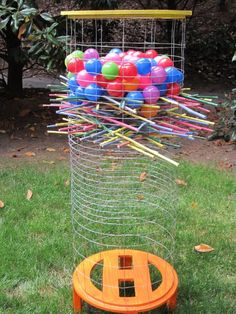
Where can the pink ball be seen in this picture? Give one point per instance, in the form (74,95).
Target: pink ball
(159,57)
(122,54)
(83,78)
(113,57)
(144,81)
(91,53)
(158,75)
(151,94)
(130,51)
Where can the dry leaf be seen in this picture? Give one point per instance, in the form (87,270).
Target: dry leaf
(67,183)
(224,165)
(50,162)
(61,158)
(3,131)
(29,154)
(21,31)
(203,248)
(32,128)
(24,112)
(50,149)
(194,205)
(181,182)
(140,197)
(2,204)
(66,150)
(29,195)
(143,176)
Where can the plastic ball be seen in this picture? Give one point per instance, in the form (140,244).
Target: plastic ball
(116,50)
(148,112)
(134,99)
(72,83)
(78,54)
(75,65)
(173,89)
(122,54)
(144,81)
(173,75)
(131,85)
(139,54)
(84,78)
(143,66)
(153,62)
(165,62)
(91,53)
(110,70)
(79,92)
(93,92)
(151,94)
(73,101)
(128,70)
(158,75)
(114,57)
(151,53)
(93,66)
(101,81)
(130,51)
(115,89)
(163,89)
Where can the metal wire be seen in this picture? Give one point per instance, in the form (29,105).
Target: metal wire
(122,199)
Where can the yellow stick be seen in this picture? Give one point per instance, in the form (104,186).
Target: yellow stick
(156,143)
(109,140)
(148,149)
(57,132)
(141,151)
(191,118)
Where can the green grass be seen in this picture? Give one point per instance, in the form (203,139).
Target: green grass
(36,241)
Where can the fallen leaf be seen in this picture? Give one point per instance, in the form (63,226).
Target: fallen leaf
(24,112)
(218,142)
(225,165)
(140,197)
(143,176)
(194,205)
(181,182)
(203,248)
(50,149)
(50,162)
(29,195)
(3,131)
(32,128)
(2,204)
(67,183)
(66,150)
(98,169)
(30,154)
(61,158)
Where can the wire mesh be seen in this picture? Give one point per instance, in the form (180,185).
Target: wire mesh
(121,198)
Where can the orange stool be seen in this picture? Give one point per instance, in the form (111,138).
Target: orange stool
(120,266)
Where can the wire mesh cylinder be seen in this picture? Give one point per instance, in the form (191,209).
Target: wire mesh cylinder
(121,199)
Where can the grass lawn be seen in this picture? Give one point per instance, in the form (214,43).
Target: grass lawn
(36,240)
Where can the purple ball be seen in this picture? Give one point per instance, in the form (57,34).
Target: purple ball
(158,75)
(151,94)
(91,53)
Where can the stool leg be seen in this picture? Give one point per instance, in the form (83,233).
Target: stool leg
(77,302)
(171,304)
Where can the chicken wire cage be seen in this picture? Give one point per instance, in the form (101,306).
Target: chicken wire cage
(123,196)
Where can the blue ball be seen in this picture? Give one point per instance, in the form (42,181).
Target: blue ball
(74,101)
(72,83)
(173,75)
(93,92)
(162,88)
(93,66)
(153,62)
(144,66)
(79,92)
(131,98)
(115,50)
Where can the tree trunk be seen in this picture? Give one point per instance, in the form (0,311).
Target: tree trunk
(15,65)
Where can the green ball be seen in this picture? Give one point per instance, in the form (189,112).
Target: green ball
(68,58)
(70,75)
(110,70)
(78,54)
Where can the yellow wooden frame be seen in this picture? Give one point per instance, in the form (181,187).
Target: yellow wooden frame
(127,14)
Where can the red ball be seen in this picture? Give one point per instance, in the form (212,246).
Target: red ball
(151,53)
(75,65)
(128,70)
(173,89)
(115,89)
(139,54)
(166,62)
(101,80)
(130,51)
